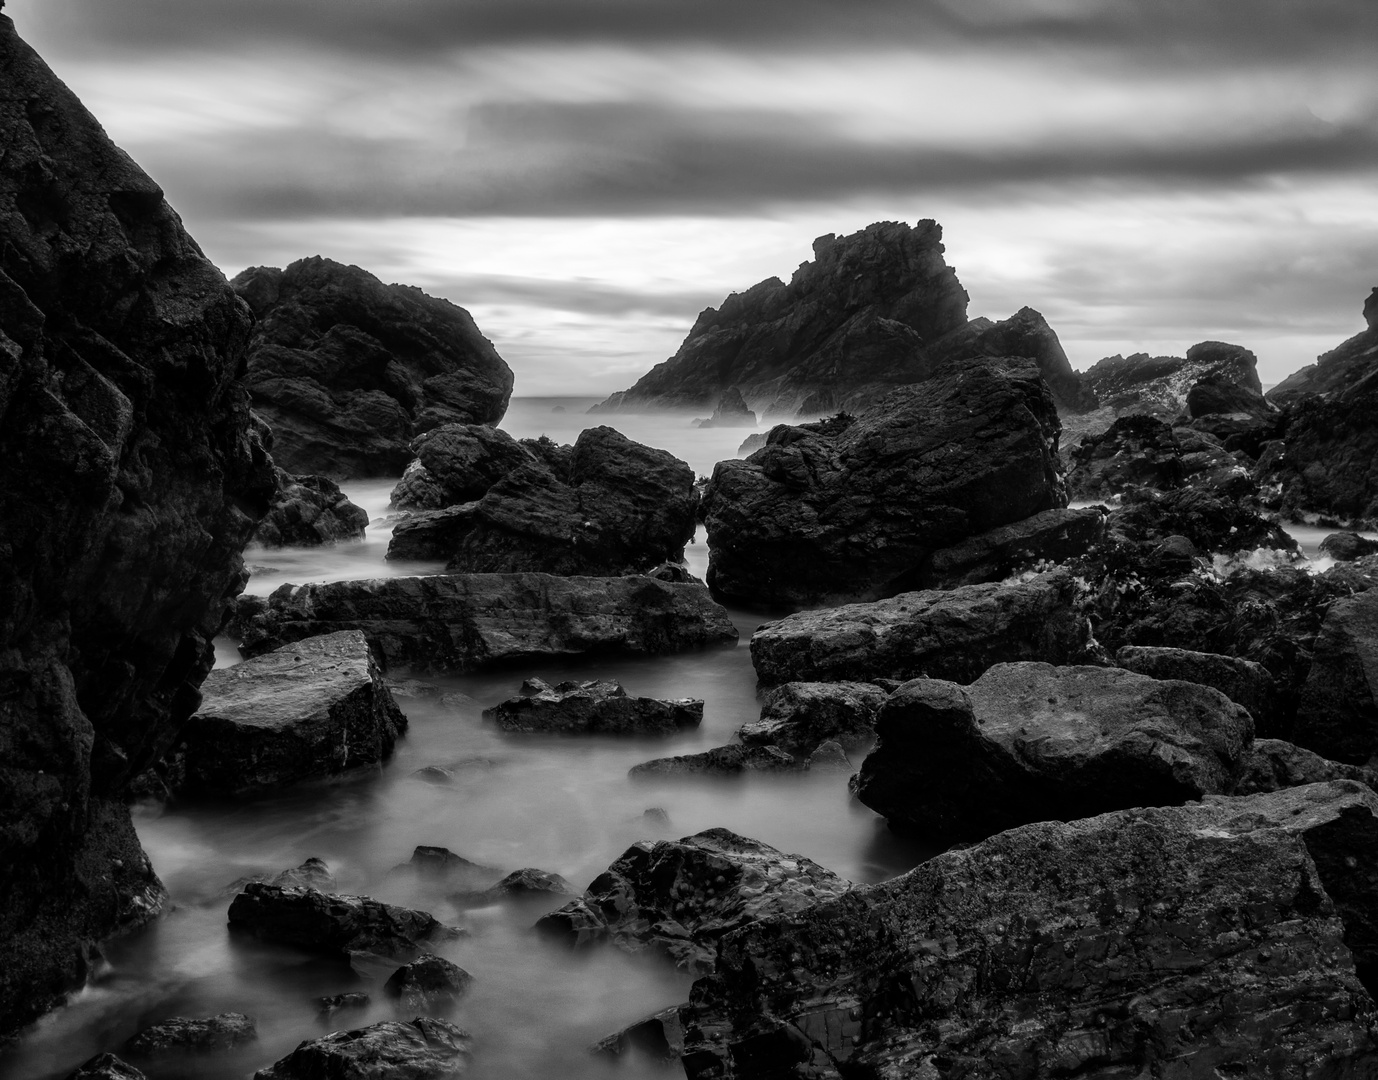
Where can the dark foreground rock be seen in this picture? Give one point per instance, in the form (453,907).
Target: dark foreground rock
(1208,940)
(348,371)
(310,709)
(132,479)
(309,511)
(1242,681)
(952,635)
(681,896)
(421,1049)
(463,622)
(830,512)
(720,761)
(1030,742)
(798,716)
(334,923)
(179,1034)
(107,1067)
(1338,712)
(1052,536)
(593,707)
(1134,451)
(1274,764)
(429,983)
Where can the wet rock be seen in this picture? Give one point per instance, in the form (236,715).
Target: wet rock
(421,1049)
(720,761)
(442,864)
(464,622)
(1348,546)
(431,535)
(593,707)
(798,716)
(1048,537)
(309,511)
(824,514)
(1030,742)
(1065,949)
(314,873)
(1160,385)
(1337,715)
(179,1034)
(429,983)
(1242,681)
(457,463)
(1136,451)
(681,896)
(313,708)
(954,634)
(1330,446)
(731,411)
(348,371)
(1273,764)
(1337,370)
(829,755)
(518,885)
(329,1006)
(1222,516)
(334,923)
(658,1037)
(133,476)
(107,1067)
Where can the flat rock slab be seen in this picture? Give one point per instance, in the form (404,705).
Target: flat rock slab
(526,883)
(798,716)
(681,896)
(1028,742)
(465,622)
(599,707)
(719,761)
(946,634)
(422,1049)
(1187,941)
(1337,715)
(312,708)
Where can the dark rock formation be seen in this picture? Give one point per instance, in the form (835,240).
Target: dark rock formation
(1217,393)
(348,371)
(658,1037)
(108,1067)
(329,1006)
(719,761)
(1347,546)
(1052,536)
(521,884)
(954,634)
(1159,385)
(334,923)
(439,863)
(731,411)
(179,1034)
(798,716)
(421,1049)
(680,897)
(1114,946)
(310,709)
(430,535)
(1329,462)
(1338,712)
(427,984)
(849,326)
(752,443)
(132,479)
(1340,368)
(457,463)
(1242,681)
(308,511)
(1030,742)
(1135,451)
(469,621)
(1274,764)
(593,707)
(848,511)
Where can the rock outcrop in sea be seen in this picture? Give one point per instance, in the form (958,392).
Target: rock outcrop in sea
(132,480)
(1143,385)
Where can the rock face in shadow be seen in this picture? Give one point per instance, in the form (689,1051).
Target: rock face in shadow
(1242,681)
(593,707)
(308,511)
(1030,742)
(1340,368)
(457,463)
(465,622)
(1052,536)
(837,511)
(348,371)
(1135,451)
(1338,712)
(1121,945)
(179,1034)
(419,1049)
(132,480)
(1329,461)
(1159,385)
(798,716)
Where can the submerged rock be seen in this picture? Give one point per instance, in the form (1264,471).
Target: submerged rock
(720,761)
(464,622)
(658,1037)
(798,716)
(593,707)
(1274,764)
(429,983)
(179,1034)
(420,1049)
(681,897)
(309,511)
(329,1006)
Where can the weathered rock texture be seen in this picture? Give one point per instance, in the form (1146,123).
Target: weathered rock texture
(464,622)
(946,634)
(107,1067)
(1338,712)
(457,463)
(1329,461)
(1031,742)
(1052,536)
(821,515)
(680,897)
(131,482)
(1242,681)
(1208,940)
(593,707)
(179,1034)
(348,370)
(1274,764)
(420,1049)
(798,716)
(310,709)
(1136,450)
(1160,385)
(429,983)
(308,511)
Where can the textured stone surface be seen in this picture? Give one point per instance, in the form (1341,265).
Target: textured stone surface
(1329,462)
(680,897)
(107,1067)
(1160,385)
(179,1034)
(954,634)
(1347,546)
(456,463)
(1136,450)
(719,761)
(1029,742)
(1192,941)
(1242,681)
(1338,712)
(797,716)
(836,511)
(464,622)
(429,983)
(348,370)
(308,511)
(132,479)
(526,883)
(421,1049)
(1274,764)
(593,707)
(658,1037)
(1047,537)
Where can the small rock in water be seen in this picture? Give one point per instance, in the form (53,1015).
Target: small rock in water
(181,1033)
(723,760)
(440,863)
(528,882)
(427,983)
(107,1067)
(329,1006)
(421,1049)
(656,816)
(1348,546)
(829,755)
(592,707)
(434,774)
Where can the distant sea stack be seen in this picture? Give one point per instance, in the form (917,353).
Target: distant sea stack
(348,370)
(874,310)
(131,480)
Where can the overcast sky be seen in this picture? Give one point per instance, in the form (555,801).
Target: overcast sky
(586,175)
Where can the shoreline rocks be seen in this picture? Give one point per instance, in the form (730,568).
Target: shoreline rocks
(420,1049)
(798,716)
(593,707)
(308,511)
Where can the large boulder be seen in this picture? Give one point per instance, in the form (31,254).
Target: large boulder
(348,371)
(946,634)
(1274,764)
(132,479)
(420,1049)
(593,707)
(1160,385)
(849,326)
(826,515)
(464,622)
(1210,940)
(457,463)
(798,716)
(1028,742)
(680,897)
(310,709)
(1338,712)
(1340,368)
(309,511)
(430,983)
